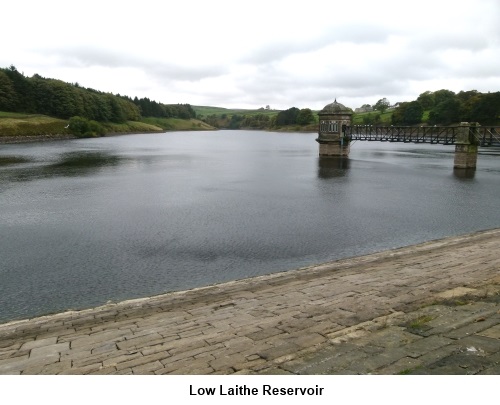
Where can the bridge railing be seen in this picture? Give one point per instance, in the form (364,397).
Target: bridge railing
(443,135)
(486,136)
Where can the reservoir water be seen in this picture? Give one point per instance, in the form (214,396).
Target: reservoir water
(88,221)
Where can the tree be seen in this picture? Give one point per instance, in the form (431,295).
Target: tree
(117,113)
(235,121)
(8,97)
(287,117)
(78,126)
(65,99)
(398,114)
(103,109)
(382,105)
(465,96)
(413,113)
(83,128)
(443,95)
(487,109)
(23,89)
(469,99)
(446,112)
(305,116)
(426,100)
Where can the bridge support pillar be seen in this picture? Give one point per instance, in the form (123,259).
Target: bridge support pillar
(465,156)
(466,146)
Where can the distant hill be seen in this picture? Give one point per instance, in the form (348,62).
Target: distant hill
(204,111)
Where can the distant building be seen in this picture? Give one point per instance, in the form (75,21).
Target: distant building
(363,109)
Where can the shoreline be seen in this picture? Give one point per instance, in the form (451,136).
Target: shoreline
(63,137)
(10,140)
(276,324)
(283,275)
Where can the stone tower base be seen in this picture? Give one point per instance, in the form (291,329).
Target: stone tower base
(334,149)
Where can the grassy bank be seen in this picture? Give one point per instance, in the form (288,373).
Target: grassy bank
(31,126)
(15,124)
(177,124)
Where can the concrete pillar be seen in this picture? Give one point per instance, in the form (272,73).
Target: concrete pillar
(466,146)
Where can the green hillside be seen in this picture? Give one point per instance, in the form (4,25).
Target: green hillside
(19,125)
(204,111)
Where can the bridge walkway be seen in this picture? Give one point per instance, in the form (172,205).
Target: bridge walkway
(485,136)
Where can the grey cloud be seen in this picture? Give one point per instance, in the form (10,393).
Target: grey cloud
(170,72)
(84,57)
(310,91)
(382,71)
(485,70)
(278,50)
(451,41)
(87,57)
(360,33)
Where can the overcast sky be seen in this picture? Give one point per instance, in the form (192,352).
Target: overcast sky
(249,54)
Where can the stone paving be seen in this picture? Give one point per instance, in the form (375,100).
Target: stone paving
(431,308)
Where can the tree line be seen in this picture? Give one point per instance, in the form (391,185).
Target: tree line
(290,117)
(39,95)
(445,107)
(441,107)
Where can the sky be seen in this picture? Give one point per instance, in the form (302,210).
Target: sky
(253,54)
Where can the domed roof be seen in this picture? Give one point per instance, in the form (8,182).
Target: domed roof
(335,108)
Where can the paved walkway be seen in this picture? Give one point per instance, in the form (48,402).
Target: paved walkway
(429,308)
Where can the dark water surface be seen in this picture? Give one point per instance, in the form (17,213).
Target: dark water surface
(87,221)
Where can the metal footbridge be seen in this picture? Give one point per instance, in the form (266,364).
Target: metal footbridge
(485,136)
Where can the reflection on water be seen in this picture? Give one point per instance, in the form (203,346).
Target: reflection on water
(78,163)
(87,221)
(464,173)
(12,160)
(329,167)
(82,162)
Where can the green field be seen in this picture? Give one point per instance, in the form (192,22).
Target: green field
(205,111)
(372,117)
(385,118)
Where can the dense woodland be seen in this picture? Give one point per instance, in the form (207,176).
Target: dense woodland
(86,107)
(446,107)
(39,95)
(441,107)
